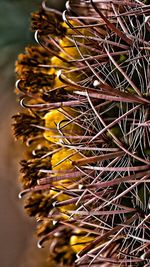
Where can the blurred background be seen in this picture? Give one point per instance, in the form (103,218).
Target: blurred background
(17,238)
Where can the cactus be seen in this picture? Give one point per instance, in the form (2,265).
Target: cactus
(85,90)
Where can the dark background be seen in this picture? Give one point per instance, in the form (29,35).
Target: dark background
(17,244)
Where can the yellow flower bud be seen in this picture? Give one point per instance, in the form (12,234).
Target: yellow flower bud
(79,241)
(55,118)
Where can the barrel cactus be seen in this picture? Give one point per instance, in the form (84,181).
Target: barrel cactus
(85,93)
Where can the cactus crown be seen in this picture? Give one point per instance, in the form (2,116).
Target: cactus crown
(86,92)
